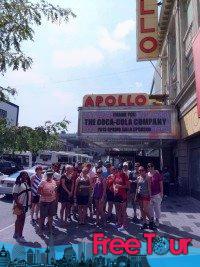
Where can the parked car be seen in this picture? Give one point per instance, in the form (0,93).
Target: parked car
(7,167)
(2,176)
(7,181)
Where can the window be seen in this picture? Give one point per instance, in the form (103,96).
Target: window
(45,157)
(187,40)
(63,159)
(190,63)
(189,13)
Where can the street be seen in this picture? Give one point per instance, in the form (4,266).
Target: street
(180,218)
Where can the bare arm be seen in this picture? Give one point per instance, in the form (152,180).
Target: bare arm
(75,188)
(40,187)
(149,185)
(136,192)
(104,189)
(161,188)
(72,189)
(32,179)
(15,198)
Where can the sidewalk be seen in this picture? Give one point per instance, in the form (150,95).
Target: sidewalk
(180,218)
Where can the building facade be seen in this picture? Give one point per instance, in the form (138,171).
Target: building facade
(179,25)
(9,112)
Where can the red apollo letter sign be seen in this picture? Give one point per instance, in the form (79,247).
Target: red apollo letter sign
(147,30)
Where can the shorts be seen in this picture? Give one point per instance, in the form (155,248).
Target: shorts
(83,200)
(119,199)
(143,198)
(36,199)
(66,199)
(133,188)
(110,196)
(48,209)
(131,197)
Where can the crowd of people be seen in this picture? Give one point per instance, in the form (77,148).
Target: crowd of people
(97,192)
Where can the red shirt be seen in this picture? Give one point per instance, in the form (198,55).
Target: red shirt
(109,182)
(121,179)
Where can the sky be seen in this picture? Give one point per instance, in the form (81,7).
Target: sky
(93,53)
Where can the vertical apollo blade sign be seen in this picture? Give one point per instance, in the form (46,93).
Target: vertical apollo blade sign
(147,30)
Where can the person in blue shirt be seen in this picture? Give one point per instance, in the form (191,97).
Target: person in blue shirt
(106,173)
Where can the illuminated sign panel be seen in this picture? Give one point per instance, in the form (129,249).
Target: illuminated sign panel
(134,123)
(147,30)
(113,100)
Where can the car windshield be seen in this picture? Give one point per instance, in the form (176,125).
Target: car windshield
(14,175)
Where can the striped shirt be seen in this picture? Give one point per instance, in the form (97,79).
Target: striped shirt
(35,184)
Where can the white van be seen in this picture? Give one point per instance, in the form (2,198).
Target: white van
(62,157)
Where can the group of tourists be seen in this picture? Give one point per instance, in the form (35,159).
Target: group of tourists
(88,192)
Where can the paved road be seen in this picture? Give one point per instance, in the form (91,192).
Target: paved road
(7,218)
(180,218)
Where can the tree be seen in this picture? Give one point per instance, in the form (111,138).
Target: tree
(17,18)
(23,138)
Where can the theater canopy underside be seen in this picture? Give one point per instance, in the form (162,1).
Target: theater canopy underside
(129,145)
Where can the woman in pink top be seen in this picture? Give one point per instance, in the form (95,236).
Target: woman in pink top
(48,205)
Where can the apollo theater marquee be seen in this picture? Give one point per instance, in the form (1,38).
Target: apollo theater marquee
(120,118)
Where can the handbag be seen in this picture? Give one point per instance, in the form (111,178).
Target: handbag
(17,210)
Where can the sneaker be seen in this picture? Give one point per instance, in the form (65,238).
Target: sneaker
(52,233)
(135,219)
(21,239)
(33,221)
(75,217)
(144,226)
(118,226)
(15,236)
(121,228)
(152,226)
(40,232)
(109,219)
